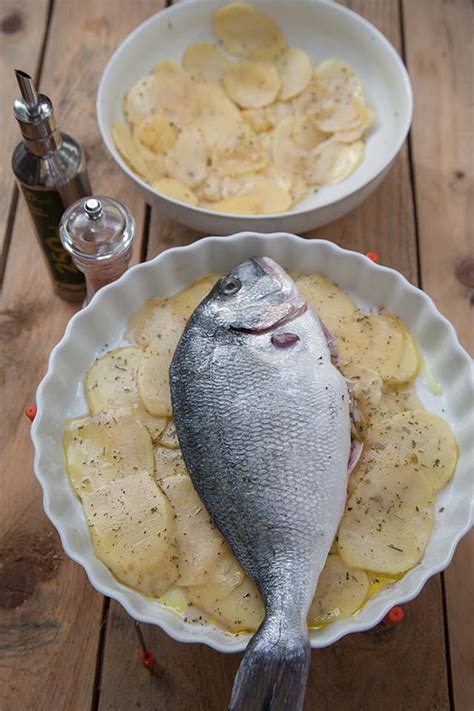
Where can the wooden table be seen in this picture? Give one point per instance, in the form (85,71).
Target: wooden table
(62,645)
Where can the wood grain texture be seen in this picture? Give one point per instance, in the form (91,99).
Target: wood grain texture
(22,29)
(440,61)
(49,613)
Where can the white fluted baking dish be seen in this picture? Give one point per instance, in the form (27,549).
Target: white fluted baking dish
(101,326)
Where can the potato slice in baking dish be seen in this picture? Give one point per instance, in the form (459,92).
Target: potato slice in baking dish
(239,154)
(111,387)
(295,70)
(156,133)
(259,196)
(205,62)
(132,530)
(332,161)
(153,380)
(388,519)
(331,303)
(246,32)
(164,320)
(252,85)
(391,402)
(168,462)
(187,160)
(205,557)
(417,438)
(336,79)
(378,343)
(105,448)
(240,611)
(341,591)
(169,438)
(175,189)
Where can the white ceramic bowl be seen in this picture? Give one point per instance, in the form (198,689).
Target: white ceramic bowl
(323,29)
(60,395)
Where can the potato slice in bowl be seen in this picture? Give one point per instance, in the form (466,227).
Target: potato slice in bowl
(246,32)
(252,85)
(205,62)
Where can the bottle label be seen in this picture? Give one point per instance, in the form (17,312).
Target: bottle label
(46,208)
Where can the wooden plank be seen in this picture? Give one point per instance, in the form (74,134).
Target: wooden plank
(22,31)
(440,60)
(49,614)
(402,667)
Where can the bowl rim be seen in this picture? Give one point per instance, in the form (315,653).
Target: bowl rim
(168,620)
(247,219)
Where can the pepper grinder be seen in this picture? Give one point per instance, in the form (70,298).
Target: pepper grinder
(98,233)
(51,172)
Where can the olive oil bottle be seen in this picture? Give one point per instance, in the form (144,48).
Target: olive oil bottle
(51,172)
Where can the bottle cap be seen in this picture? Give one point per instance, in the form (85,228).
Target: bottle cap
(97,229)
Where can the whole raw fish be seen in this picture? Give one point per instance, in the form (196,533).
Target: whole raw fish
(263,422)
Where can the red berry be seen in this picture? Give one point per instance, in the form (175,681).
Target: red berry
(373,256)
(394,616)
(148,660)
(30,412)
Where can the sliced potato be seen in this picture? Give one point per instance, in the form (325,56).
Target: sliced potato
(156,133)
(205,558)
(168,462)
(330,302)
(169,438)
(104,448)
(278,111)
(186,162)
(128,149)
(175,189)
(239,154)
(299,188)
(341,591)
(217,117)
(305,133)
(240,611)
(259,195)
(355,134)
(391,402)
(132,529)
(417,438)
(258,119)
(252,85)
(388,520)
(336,79)
(295,70)
(341,115)
(332,161)
(153,380)
(378,343)
(164,319)
(142,99)
(205,62)
(365,384)
(287,155)
(174,93)
(111,387)
(246,32)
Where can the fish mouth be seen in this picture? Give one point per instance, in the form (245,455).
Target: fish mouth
(291,316)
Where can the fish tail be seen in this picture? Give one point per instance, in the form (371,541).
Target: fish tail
(273,673)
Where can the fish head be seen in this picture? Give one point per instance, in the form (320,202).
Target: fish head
(256,296)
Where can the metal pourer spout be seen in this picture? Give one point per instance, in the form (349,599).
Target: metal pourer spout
(28,92)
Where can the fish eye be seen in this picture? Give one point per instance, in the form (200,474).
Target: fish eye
(230,285)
